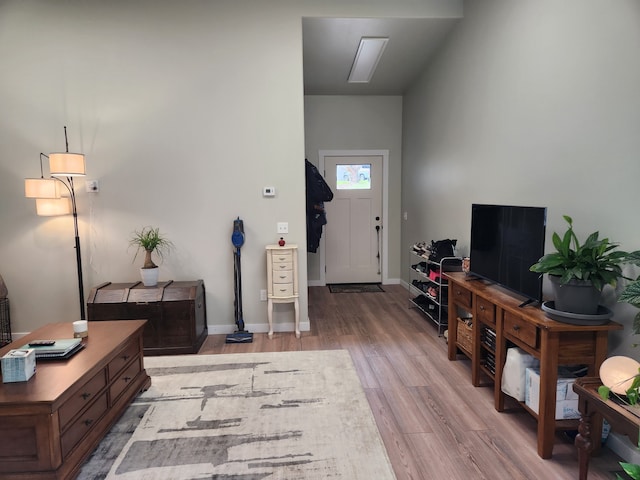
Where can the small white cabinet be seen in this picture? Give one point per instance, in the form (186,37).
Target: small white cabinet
(282,281)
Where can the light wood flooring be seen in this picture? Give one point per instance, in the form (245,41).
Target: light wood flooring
(434,423)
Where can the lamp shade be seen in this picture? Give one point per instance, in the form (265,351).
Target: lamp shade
(618,372)
(41,188)
(49,207)
(66,164)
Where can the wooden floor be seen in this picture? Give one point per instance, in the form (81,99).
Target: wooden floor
(434,423)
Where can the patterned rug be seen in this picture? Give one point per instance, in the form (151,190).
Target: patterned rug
(252,416)
(355,287)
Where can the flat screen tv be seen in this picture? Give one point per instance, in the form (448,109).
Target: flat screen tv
(505,242)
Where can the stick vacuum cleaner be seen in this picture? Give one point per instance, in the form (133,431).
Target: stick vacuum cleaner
(237,239)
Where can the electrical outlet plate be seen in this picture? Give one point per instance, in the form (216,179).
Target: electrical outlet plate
(92,186)
(283,227)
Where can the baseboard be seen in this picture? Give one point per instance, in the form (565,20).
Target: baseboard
(258,328)
(622,446)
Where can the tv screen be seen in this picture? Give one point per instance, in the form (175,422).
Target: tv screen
(505,242)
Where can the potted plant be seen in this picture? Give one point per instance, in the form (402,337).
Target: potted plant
(631,294)
(150,240)
(579,272)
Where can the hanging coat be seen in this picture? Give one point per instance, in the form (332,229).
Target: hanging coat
(318,192)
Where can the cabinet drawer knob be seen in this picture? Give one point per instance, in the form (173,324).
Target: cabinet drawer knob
(88,422)
(516,328)
(125,357)
(85,395)
(126,379)
(482,307)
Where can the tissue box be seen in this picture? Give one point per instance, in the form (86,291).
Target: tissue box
(566,399)
(18,365)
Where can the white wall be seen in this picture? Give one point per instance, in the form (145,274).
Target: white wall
(359,123)
(184,110)
(530,103)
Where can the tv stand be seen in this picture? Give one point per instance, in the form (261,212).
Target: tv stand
(498,319)
(529,301)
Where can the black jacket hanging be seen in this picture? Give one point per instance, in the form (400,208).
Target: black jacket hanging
(318,192)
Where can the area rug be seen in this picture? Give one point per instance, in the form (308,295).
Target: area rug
(250,416)
(354,287)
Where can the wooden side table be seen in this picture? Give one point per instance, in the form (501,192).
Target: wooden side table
(592,408)
(282,281)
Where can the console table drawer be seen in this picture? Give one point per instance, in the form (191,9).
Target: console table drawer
(461,295)
(486,311)
(81,398)
(83,425)
(519,328)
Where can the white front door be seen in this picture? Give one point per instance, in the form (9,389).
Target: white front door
(353,245)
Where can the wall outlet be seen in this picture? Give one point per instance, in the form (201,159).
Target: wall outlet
(92,186)
(263,295)
(283,227)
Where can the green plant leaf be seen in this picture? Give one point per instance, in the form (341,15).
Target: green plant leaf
(631,469)
(604,392)
(631,294)
(636,324)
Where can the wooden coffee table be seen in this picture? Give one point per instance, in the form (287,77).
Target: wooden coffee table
(50,424)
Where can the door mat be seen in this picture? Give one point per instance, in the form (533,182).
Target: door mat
(354,287)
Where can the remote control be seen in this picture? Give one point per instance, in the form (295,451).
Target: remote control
(42,343)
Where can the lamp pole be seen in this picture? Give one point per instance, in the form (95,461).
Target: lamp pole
(72,194)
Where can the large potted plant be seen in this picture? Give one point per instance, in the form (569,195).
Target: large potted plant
(631,293)
(150,240)
(578,272)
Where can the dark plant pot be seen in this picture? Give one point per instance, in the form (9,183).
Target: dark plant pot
(577,296)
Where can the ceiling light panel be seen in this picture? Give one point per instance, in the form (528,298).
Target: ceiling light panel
(367,57)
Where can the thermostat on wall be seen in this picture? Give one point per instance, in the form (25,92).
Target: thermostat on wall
(269,192)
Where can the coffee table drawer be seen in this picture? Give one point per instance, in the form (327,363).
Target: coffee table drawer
(81,398)
(83,424)
(122,359)
(120,384)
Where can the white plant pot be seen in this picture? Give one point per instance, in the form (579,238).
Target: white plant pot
(150,276)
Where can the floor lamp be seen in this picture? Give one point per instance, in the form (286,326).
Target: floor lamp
(52,200)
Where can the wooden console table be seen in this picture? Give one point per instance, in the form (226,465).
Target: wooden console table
(51,423)
(593,407)
(553,343)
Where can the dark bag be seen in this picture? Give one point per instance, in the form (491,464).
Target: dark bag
(442,248)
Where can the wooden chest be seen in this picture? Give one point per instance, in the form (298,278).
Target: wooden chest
(175,312)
